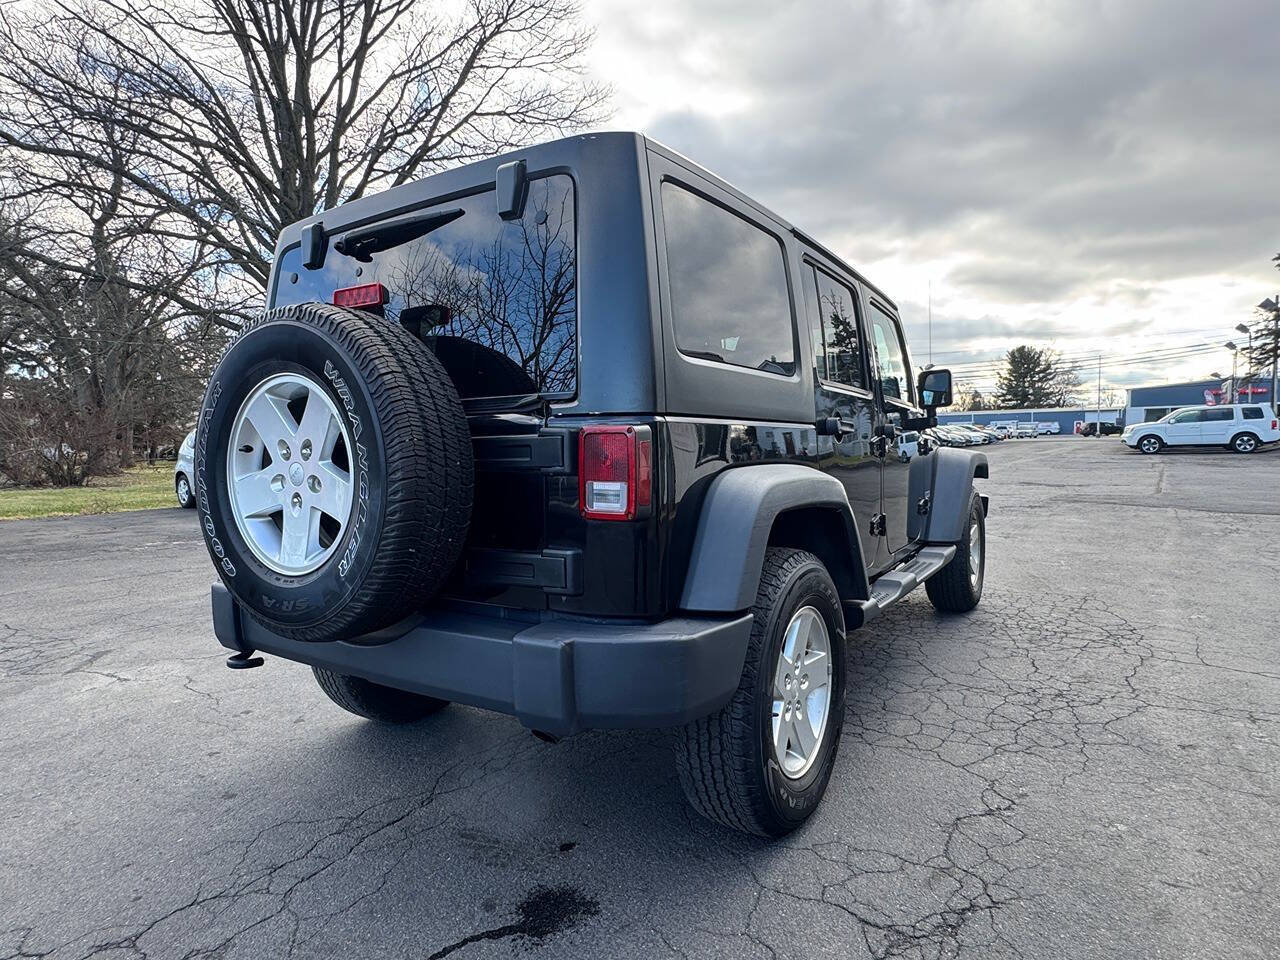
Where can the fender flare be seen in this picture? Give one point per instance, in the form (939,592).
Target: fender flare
(735,524)
(952,492)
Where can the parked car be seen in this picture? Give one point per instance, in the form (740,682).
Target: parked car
(1242,427)
(908,445)
(1026,431)
(1048,428)
(184,472)
(425,507)
(1107,428)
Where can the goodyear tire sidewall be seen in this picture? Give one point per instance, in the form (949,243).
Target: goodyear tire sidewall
(278,346)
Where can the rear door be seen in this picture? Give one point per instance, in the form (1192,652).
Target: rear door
(842,387)
(1219,425)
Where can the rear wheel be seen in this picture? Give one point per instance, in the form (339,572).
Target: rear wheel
(182,487)
(373,701)
(1244,443)
(762,763)
(957,587)
(1150,444)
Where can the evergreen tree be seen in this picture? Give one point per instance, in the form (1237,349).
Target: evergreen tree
(1029,379)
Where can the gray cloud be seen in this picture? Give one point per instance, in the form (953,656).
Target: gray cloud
(1054,149)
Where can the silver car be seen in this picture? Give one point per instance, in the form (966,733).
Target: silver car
(184,472)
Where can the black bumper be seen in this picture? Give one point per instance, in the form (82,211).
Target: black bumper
(557,676)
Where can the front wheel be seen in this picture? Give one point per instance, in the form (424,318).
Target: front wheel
(762,763)
(1244,443)
(957,587)
(1150,444)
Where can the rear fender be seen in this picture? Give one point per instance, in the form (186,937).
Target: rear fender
(749,508)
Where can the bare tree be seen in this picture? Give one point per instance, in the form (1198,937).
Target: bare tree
(240,116)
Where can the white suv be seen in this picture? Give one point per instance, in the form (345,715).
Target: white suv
(1242,427)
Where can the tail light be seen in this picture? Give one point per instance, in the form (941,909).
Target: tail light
(364,295)
(615,474)
(1273,424)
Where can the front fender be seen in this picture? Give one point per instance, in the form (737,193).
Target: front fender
(952,492)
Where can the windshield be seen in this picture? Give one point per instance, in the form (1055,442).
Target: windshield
(494,300)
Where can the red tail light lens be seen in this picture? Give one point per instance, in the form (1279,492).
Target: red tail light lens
(364,295)
(614,473)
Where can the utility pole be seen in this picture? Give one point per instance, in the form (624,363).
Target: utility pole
(1099,433)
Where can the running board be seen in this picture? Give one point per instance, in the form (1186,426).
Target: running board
(892,586)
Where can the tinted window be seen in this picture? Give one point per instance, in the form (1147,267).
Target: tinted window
(1224,413)
(1187,416)
(1253,413)
(890,357)
(510,325)
(729,299)
(837,348)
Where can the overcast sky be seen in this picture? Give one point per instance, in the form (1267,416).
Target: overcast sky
(1096,176)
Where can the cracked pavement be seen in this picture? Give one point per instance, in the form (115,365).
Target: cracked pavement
(1086,766)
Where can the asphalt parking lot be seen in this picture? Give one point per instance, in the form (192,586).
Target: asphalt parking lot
(1086,766)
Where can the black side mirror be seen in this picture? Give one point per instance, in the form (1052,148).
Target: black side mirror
(935,389)
(512,187)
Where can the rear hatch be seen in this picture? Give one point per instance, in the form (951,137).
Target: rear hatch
(496,301)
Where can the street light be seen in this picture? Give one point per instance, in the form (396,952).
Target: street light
(1270,306)
(1248,358)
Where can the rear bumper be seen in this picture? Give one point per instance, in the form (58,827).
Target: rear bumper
(557,676)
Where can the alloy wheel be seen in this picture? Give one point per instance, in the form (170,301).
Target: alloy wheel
(289,473)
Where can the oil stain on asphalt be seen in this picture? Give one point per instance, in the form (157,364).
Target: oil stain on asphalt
(544,912)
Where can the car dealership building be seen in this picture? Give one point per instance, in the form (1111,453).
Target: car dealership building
(1142,405)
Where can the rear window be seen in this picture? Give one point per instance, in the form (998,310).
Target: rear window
(1253,413)
(509,327)
(729,294)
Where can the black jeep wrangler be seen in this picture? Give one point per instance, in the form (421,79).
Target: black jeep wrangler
(583,435)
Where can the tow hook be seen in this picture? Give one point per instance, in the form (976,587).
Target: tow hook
(244,660)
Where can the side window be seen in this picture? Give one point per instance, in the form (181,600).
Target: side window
(1188,416)
(890,357)
(1222,413)
(728,278)
(837,345)
(1253,413)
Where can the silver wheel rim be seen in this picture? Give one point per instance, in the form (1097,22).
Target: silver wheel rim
(1149,446)
(801,693)
(184,490)
(288,474)
(1244,444)
(975,551)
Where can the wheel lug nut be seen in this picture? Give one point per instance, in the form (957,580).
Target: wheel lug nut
(277,482)
(306,450)
(313,484)
(284,450)
(296,502)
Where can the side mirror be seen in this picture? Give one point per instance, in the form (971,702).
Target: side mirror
(935,388)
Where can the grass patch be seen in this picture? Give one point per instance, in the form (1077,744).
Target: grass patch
(138,488)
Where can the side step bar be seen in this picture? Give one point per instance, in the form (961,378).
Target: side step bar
(892,586)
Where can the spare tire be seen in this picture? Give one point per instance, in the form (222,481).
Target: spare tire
(333,472)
